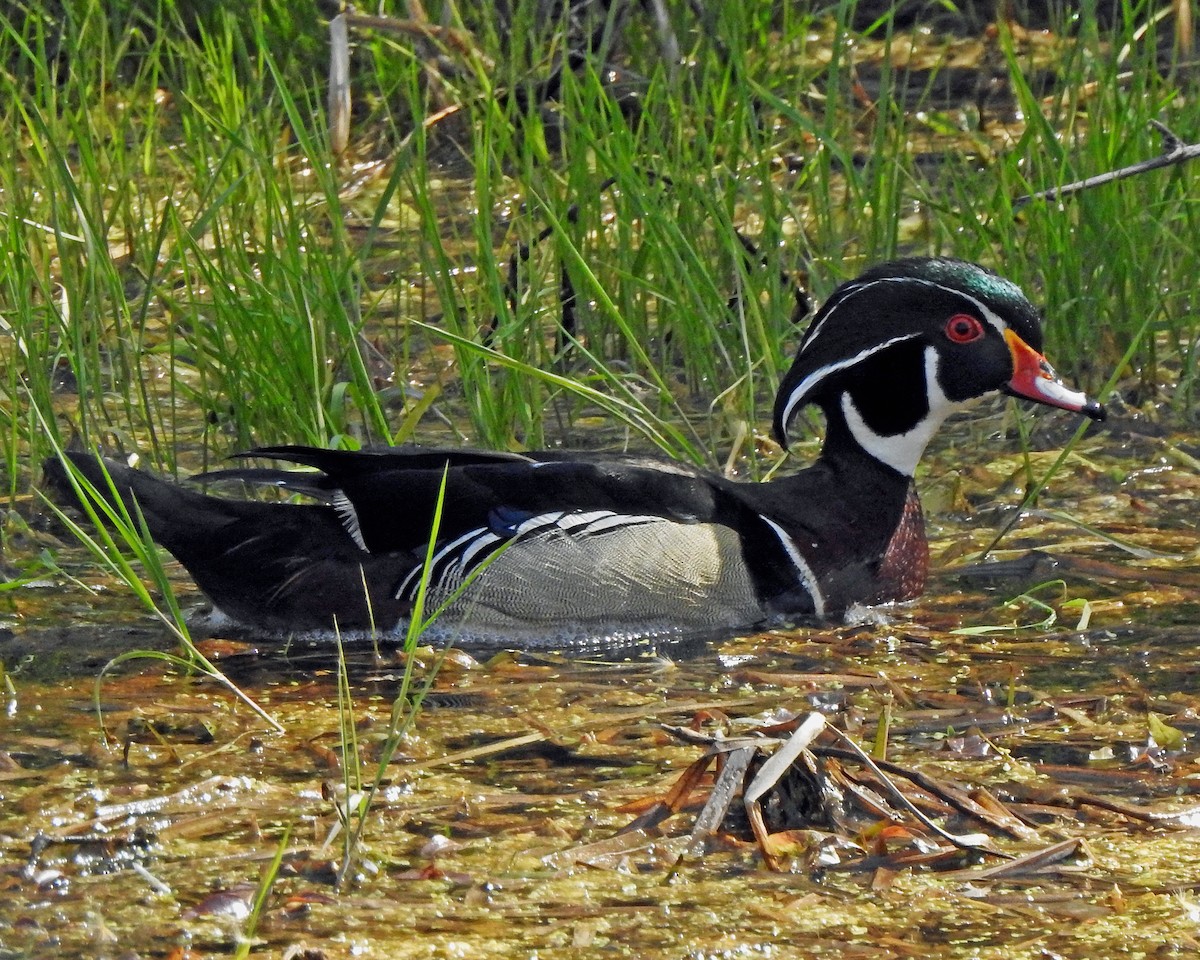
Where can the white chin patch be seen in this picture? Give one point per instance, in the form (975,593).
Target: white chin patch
(902,451)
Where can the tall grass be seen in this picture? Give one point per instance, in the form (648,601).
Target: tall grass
(1107,263)
(184,253)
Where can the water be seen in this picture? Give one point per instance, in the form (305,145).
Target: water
(140,805)
(522,760)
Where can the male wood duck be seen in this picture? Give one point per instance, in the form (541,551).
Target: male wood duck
(570,548)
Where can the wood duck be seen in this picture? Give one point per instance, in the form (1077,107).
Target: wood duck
(570,548)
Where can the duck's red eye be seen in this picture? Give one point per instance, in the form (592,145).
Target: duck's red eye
(963,328)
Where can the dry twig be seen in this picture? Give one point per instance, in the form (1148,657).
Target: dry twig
(1174,151)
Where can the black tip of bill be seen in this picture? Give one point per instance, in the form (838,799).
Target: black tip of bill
(1095,410)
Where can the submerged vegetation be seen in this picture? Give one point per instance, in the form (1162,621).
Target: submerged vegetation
(591,229)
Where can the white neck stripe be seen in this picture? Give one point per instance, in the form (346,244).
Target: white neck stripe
(902,451)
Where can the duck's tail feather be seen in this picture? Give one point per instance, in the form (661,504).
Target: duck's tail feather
(379,459)
(278,566)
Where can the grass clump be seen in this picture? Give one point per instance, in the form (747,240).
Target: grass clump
(191,270)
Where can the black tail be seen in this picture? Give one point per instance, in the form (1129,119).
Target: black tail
(281,567)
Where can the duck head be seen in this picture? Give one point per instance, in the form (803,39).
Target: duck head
(891,354)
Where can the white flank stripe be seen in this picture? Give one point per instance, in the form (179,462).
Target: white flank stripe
(807,577)
(617,520)
(535,523)
(456,543)
(594,521)
(438,558)
(581,518)
(481,543)
(402,590)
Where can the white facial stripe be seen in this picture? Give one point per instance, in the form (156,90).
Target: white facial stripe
(984,312)
(991,317)
(902,451)
(805,386)
(807,577)
(815,332)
